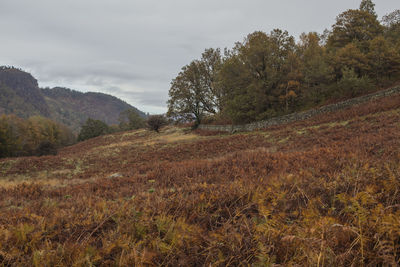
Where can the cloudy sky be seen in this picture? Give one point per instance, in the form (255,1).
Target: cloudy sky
(134,48)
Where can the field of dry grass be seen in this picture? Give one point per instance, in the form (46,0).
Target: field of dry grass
(322,192)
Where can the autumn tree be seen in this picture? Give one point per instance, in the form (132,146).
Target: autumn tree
(44,129)
(210,64)
(8,139)
(290,84)
(34,136)
(354,26)
(351,57)
(264,70)
(315,68)
(196,91)
(267,75)
(234,79)
(190,98)
(155,122)
(392,19)
(391,23)
(384,59)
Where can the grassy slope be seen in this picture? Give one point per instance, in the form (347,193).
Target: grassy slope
(321,192)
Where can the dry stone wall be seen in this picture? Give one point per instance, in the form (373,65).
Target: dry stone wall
(301,115)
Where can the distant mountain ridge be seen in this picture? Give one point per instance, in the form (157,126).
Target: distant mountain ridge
(21,95)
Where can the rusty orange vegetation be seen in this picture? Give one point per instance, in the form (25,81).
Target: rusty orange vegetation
(322,192)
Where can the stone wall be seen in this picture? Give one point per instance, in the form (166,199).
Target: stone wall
(301,115)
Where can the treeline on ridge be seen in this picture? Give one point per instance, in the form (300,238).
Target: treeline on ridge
(269,75)
(21,95)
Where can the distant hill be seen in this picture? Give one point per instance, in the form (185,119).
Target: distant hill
(72,108)
(21,95)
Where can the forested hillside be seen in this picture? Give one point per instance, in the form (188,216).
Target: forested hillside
(272,74)
(21,95)
(73,108)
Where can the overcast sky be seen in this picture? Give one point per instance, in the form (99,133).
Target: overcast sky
(133,49)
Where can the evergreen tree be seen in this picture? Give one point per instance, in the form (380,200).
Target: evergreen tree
(7,139)
(130,120)
(92,128)
(384,59)
(368,6)
(354,26)
(350,57)
(317,72)
(351,85)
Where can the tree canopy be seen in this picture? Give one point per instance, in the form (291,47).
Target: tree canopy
(155,122)
(130,119)
(269,74)
(368,6)
(34,136)
(93,128)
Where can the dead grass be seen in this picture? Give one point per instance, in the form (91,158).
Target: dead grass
(323,192)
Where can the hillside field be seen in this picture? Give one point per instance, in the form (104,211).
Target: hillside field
(321,192)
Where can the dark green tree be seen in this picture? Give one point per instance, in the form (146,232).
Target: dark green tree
(350,85)
(315,68)
(8,142)
(234,79)
(368,6)
(92,128)
(259,75)
(130,120)
(354,26)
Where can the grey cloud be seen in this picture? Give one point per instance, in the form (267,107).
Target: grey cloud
(152,98)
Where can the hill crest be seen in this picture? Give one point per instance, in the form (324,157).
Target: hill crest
(21,95)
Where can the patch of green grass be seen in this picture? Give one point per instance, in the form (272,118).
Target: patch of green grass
(284,140)
(304,130)
(301,132)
